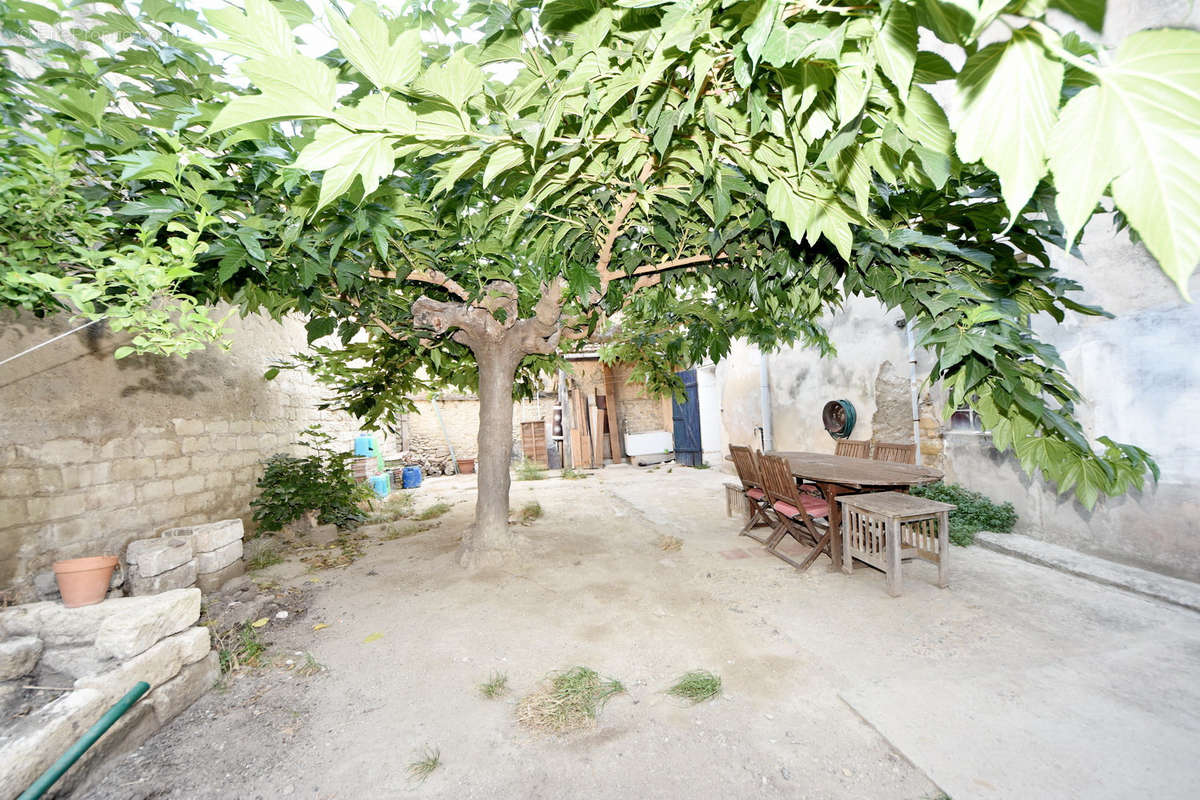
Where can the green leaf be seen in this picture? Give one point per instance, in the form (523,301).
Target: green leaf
(505,157)
(1089,12)
(344,156)
(122,352)
(293,86)
(760,30)
(455,81)
(320,327)
(261,32)
(1138,130)
(896,47)
(366,43)
(1009,92)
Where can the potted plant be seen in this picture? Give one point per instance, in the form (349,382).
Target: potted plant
(84,581)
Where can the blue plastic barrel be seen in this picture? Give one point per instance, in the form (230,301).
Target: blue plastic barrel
(410,477)
(382,484)
(364,445)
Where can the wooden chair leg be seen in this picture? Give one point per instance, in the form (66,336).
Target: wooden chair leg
(821,546)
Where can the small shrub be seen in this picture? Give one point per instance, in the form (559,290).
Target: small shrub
(321,480)
(422,768)
(696,686)
(529,471)
(433,512)
(529,512)
(266,557)
(572,474)
(496,685)
(571,700)
(975,512)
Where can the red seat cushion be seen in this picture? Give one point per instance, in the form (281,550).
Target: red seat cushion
(755,494)
(815,506)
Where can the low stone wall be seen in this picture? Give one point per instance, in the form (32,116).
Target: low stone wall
(101,651)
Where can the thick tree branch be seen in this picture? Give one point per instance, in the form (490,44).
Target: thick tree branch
(604,257)
(430,276)
(439,316)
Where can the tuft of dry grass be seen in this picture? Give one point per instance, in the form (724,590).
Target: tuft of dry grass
(423,767)
(569,701)
(402,532)
(696,686)
(669,543)
(433,512)
(496,685)
(529,512)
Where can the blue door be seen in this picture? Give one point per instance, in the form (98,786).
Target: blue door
(686,418)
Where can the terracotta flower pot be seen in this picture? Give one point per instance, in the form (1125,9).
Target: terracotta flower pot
(84,581)
(466,466)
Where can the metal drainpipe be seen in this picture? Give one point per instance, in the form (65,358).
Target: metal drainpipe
(912,386)
(764,398)
(445,434)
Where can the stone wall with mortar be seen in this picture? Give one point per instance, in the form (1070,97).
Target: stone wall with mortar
(95,452)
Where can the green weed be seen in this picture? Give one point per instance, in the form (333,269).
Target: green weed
(433,512)
(529,471)
(496,685)
(570,700)
(975,512)
(696,686)
(422,768)
(266,557)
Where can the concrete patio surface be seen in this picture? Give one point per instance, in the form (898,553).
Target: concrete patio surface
(1015,682)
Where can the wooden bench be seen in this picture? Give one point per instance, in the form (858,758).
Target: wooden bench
(883,528)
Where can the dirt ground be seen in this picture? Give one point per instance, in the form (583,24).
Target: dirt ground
(817,669)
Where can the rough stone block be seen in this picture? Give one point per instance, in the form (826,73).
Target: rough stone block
(217,560)
(55,624)
(76,662)
(189,427)
(210,582)
(179,578)
(189,484)
(32,744)
(156,666)
(145,621)
(18,656)
(148,557)
(185,688)
(211,535)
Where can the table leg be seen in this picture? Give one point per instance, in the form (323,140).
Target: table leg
(835,523)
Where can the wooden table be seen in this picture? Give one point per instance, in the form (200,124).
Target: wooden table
(835,475)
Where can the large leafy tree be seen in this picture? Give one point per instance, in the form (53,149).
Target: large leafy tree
(476,201)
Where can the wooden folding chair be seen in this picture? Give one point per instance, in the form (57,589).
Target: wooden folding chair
(853,448)
(895,453)
(794,511)
(746,465)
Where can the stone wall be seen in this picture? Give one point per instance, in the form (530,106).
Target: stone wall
(95,453)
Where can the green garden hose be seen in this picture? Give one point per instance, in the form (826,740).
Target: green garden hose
(64,762)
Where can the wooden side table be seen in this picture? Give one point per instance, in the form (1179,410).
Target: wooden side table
(883,528)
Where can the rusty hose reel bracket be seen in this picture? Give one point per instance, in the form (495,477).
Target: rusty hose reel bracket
(838,417)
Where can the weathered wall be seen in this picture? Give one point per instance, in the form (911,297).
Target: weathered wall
(426,441)
(1138,374)
(96,452)
(870,370)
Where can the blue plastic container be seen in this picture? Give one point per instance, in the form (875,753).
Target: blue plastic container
(410,478)
(364,445)
(382,484)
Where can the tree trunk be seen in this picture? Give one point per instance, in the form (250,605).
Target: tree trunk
(490,534)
